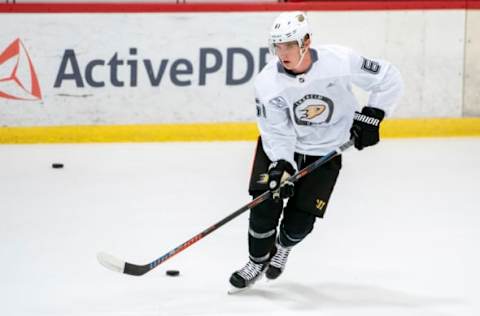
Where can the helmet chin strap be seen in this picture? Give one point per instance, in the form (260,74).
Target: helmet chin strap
(302,55)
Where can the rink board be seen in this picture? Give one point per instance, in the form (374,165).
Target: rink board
(136,75)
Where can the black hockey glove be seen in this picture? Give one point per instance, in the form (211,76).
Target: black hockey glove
(365,127)
(277,172)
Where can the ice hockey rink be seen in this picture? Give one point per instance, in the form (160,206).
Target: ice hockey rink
(400,236)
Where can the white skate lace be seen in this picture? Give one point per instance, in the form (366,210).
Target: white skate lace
(251,270)
(280,258)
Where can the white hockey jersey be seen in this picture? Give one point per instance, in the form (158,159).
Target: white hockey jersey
(312,113)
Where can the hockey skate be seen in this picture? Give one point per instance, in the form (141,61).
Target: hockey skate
(246,276)
(278,262)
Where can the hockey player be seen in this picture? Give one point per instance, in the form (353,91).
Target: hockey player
(305,109)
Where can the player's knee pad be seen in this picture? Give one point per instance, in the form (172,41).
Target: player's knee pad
(265,216)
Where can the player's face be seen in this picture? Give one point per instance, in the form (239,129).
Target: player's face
(288,53)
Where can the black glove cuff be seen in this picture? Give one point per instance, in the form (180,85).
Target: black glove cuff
(369,116)
(374,112)
(282,165)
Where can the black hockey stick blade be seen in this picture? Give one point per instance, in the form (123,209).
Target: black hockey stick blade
(112,263)
(117,265)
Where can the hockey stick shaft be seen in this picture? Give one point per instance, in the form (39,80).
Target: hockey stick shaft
(133,269)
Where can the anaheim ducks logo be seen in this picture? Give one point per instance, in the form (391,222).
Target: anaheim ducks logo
(263,178)
(313,109)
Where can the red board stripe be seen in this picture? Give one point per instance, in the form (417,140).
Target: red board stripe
(473,4)
(339,5)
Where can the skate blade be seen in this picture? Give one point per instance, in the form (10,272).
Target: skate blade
(235,290)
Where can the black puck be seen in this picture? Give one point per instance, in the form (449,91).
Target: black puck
(57,165)
(172,272)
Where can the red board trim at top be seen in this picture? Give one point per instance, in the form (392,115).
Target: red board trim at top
(338,5)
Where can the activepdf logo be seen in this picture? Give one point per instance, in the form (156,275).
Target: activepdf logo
(18,80)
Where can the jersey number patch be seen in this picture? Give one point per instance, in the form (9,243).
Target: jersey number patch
(371,66)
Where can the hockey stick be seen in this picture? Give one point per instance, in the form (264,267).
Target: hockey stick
(118,265)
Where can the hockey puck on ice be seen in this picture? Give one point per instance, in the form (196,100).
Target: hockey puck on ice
(57,165)
(172,272)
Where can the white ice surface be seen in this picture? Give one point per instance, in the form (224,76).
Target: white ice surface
(401,235)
